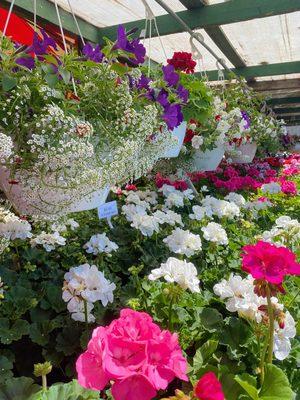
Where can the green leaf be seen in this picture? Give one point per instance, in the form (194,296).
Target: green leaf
(10,332)
(6,366)
(211,319)
(51,79)
(276,385)
(65,75)
(204,353)
(248,383)
(120,69)
(8,82)
(66,391)
(18,389)
(235,335)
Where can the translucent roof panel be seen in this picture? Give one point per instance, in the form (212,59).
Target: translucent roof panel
(266,40)
(113,12)
(181,42)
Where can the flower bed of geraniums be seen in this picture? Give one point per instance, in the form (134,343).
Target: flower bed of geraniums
(187,296)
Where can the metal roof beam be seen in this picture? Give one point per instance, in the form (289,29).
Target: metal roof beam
(284,110)
(212,15)
(46,13)
(284,100)
(260,70)
(269,86)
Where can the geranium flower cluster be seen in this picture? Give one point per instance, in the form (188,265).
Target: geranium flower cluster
(285,232)
(182,61)
(239,295)
(100,243)
(135,355)
(183,242)
(179,271)
(12,227)
(48,240)
(83,286)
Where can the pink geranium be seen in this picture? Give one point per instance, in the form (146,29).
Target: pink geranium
(135,354)
(209,388)
(289,188)
(269,262)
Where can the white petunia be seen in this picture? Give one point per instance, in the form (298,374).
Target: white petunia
(183,242)
(100,243)
(215,233)
(197,141)
(182,272)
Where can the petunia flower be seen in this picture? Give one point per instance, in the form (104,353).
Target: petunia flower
(93,53)
(170,76)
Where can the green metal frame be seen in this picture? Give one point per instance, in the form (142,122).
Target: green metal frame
(260,70)
(216,14)
(287,110)
(284,100)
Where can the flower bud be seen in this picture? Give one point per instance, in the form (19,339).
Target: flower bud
(42,369)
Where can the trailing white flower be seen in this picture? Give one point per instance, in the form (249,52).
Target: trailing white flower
(48,240)
(6,147)
(180,271)
(215,233)
(271,188)
(183,242)
(100,243)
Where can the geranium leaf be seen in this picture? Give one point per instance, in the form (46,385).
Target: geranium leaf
(66,391)
(18,389)
(8,82)
(276,385)
(248,383)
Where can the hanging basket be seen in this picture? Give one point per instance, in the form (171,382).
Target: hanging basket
(244,153)
(179,134)
(48,202)
(295,148)
(208,160)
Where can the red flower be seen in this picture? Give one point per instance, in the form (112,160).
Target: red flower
(217,117)
(130,187)
(182,61)
(268,262)
(13,182)
(189,134)
(209,388)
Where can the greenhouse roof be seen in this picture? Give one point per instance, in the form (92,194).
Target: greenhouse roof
(258,39)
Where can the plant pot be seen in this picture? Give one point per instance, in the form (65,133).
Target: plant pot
(179,134)
(244,153)
(48,202)
(296,148)
(208,160)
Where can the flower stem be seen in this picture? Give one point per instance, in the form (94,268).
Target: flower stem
(170,322)
(44,382)
(271,326)
(262,359)
(86,314)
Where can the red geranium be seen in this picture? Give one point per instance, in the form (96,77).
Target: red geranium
(182,61)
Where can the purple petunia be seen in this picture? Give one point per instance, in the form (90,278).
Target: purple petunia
(134,46)
(40,45)
(162,98)
(143,82)
(170,76)
(27,62)
(172,115)
(183,93)
(93,53)
(247,120)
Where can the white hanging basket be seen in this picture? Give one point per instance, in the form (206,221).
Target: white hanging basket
(208,160)
(48,202)
(244,153)
(296,148)
(179,134)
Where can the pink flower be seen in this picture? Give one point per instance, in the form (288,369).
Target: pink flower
(209,388)
(289,188)
(269,262)
(130,187)
(134,353)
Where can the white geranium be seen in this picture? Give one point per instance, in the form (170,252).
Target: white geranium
(133,197)
(168,217)
(183,242)
(48,240)
(282,345)
(147,224)
(182,272)
(215,233)
(221,208)
(200,213)
(100,243)
(197,141)
(236,198)
(271,188)
(148,196)
(130,210)
(13,227)
(285,232)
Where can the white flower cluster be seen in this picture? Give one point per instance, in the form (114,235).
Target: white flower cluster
(220,208)
(258,205)
(180,271)
(240,297)
(6,147)
(236,198)
(83,286)
(183,242)
(48,240)
(271,188)
(63,225)
(100,243)
(13,227)
(174,197)
(286,232)
(215,233)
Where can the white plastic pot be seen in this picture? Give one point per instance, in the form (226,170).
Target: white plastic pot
(244,153)
(208,160)
(296,148)
(179,134)
(48,202)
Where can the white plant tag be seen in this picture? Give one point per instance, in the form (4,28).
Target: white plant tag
(108,210)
